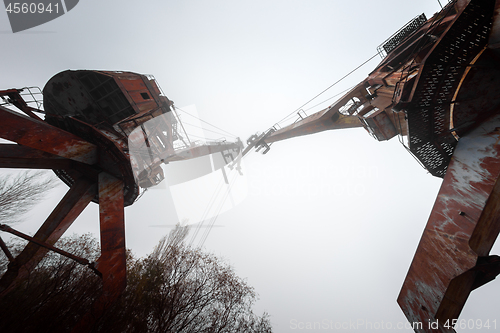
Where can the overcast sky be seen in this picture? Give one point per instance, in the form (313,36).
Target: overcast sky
(326,225)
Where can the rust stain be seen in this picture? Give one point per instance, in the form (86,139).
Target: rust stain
(443,271)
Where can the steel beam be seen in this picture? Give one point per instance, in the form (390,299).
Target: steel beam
(17,156)
(452,257)
(202,150)
(112,263)
(39,135)
(327,119)
(81,261)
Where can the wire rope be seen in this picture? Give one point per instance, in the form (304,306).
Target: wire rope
(205,129)
(332,85)
(326,100)
(220,206)
(206,122)
(207,210)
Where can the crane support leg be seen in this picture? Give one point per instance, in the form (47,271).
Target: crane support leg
(43,146)
(112,263)
(452,258)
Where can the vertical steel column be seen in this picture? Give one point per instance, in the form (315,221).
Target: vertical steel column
(112,263)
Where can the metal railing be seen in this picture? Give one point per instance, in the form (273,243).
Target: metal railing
(399,36)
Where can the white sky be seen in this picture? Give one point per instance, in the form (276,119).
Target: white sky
(331,221)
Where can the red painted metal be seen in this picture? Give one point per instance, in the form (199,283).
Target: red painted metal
(42,136)
(376,102)
(436,88)
(327,119)
(41,145)
(87,138)
(465,221)
(17,156)
(112,263)
(113,252)
(321,121)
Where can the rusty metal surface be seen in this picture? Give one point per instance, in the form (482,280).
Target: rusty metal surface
(437,87)
(17,156)
(321,121)
(452,99)
(115,101)
(462,228)
(103,108)
(112,228)
(84,139)
(380,125)
(42,136)
(475,99)
(382,91)
(327,119)
(494,38)
(112,262)
(113,157)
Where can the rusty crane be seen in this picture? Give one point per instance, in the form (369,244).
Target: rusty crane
(436,90)
(105,134)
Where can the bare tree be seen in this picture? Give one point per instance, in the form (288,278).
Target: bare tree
(55,293)
(182,289)
(175,289)
(20,192)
